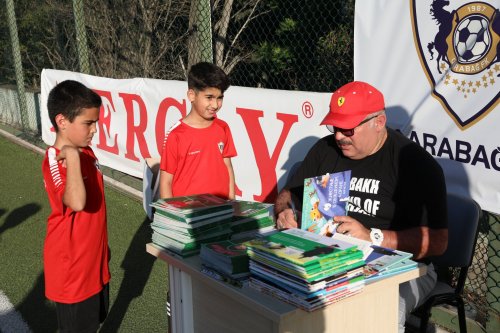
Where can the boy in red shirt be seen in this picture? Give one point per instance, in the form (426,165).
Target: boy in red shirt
(76,252)
(197,152)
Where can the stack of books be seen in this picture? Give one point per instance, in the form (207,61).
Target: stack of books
(380,262)
(226,261)
(305,269)
(384,262)
(182,224)
(251,219)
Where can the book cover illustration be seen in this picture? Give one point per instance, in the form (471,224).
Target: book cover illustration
(251,209)
(293,246)
(382,259)
(398,268)
(324,197)
(192,203)
(227,256)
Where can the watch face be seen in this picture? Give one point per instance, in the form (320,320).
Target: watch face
(376,236)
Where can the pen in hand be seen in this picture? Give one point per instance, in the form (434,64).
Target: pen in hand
(291,205)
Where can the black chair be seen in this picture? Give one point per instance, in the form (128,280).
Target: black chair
(463,222)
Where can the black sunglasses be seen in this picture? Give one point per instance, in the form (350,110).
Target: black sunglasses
(348,132)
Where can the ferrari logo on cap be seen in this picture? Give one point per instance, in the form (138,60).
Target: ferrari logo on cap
(341,101)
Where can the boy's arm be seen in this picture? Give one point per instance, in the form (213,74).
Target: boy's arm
(75,195)
(227,162)
(165,184)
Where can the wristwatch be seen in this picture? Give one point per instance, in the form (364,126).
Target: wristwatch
(376,236)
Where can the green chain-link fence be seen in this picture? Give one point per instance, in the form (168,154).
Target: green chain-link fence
(293,45)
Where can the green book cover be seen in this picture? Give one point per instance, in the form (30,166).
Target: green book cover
(192,205)
(252,224)
(206,217)
(220,232)
(309,275)
(188,229)
(302,248)
(230,257)
(175,246)
(245,209)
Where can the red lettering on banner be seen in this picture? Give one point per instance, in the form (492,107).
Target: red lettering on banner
(135,130)
(266,163)
(104,123)
(161,117)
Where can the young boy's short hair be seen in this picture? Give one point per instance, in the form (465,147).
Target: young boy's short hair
(206,75)
(69,98)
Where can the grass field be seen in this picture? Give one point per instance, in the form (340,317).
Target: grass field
(138,287)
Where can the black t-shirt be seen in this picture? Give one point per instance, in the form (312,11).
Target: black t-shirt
(399,187)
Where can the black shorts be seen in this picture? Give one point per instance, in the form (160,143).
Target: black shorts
(85,316)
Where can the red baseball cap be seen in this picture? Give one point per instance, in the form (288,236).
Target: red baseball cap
(351,103)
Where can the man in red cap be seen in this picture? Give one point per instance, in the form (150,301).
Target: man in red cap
(397,195)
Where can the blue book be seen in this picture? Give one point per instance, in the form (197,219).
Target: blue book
(383,259)
(324,197)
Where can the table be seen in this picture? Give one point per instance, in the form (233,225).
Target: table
(202,304)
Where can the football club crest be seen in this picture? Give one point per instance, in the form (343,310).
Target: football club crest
(458,44)
(221,146)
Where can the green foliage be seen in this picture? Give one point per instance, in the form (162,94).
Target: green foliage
(278,44)
(286,26)
(300,45)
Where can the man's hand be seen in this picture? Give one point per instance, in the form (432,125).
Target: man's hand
(350,226)
(286,219)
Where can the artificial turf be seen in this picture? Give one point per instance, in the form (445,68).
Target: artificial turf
(139,283)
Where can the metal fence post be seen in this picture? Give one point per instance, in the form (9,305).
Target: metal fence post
(205,25)
(200,47)
(81,36)
(493,294)
(18,66)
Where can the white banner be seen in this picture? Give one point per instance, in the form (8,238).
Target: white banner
(437,63)
(272,129)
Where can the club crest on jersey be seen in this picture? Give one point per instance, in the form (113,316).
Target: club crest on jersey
(458,44)
(221,146)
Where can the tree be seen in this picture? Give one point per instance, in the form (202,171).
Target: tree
(138,38)
(300,45)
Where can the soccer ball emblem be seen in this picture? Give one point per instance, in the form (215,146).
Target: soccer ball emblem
(472,39)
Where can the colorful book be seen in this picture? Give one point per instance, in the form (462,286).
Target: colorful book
(324,197)
(225,256)
(364,246)
(401,267)
(297,299)
(193,229)
(251,210)
(186,237)
(185,207)
(183,246)
(383,259)
(252,224)
(204,217)
(302,248)
(309,274)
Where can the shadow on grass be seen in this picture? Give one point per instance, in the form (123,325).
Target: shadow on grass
(37,311)
(137,265)
(40,313)
(18,216)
